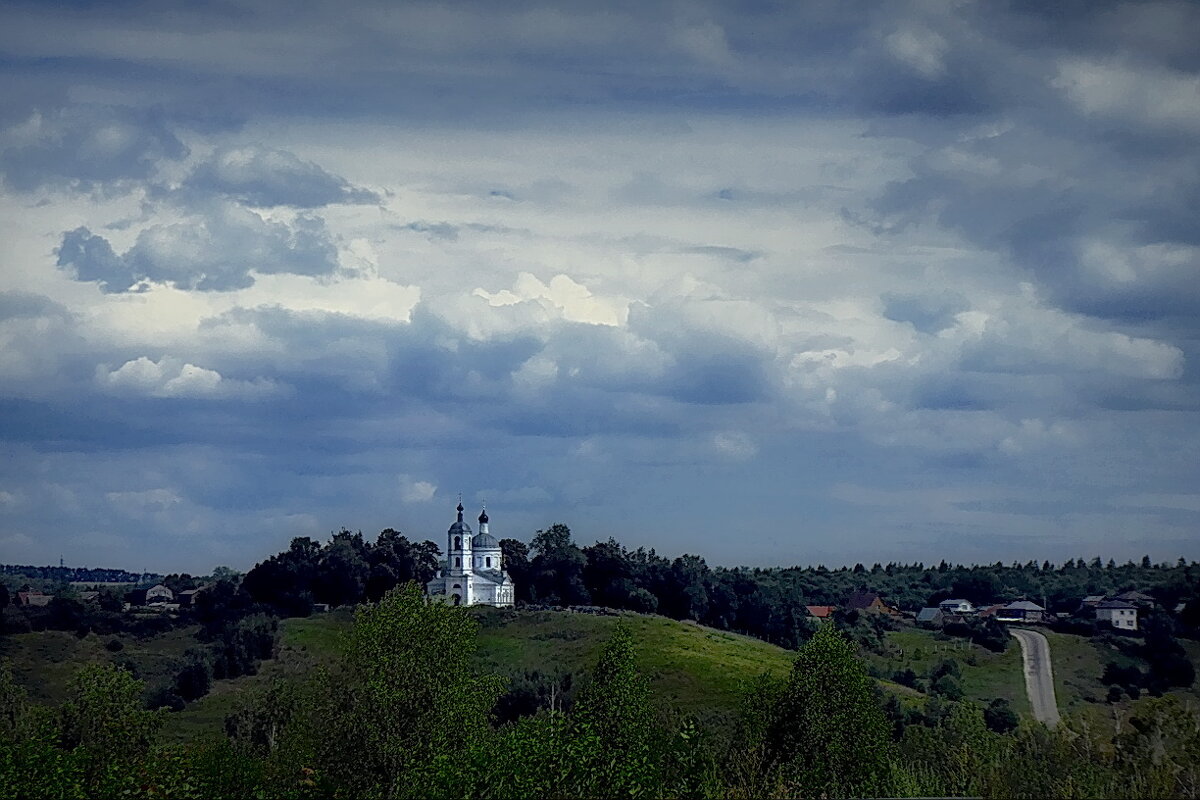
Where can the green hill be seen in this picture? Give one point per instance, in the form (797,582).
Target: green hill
(695,669)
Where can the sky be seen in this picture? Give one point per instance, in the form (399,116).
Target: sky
(773,283)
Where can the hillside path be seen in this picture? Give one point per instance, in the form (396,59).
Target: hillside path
(1039,675)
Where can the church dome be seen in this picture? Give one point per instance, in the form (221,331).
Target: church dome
(460,528)
(485,541)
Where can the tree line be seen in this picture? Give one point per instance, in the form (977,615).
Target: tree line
(768,603)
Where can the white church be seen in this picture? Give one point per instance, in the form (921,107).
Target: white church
(472,573)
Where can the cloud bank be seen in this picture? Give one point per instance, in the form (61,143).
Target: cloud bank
(831,282)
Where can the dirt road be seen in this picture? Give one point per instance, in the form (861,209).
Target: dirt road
(1039,676)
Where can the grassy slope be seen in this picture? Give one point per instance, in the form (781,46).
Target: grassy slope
(1077,667)
(985,675)
(694,668)
(303,643)
(44,662)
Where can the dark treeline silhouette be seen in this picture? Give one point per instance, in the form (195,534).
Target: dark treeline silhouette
(768,603)
(77,574)
(345,570)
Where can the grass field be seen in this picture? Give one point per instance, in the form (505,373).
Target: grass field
(985,675)
(45,662)
(1077,668)
(695,669)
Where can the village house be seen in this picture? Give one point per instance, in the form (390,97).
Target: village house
(155,595)
(957,606)
(1118,613)
(1138,599)
(33,599)
(1021,611)
(820,612)
(188,596)
(990,611)
(869,603)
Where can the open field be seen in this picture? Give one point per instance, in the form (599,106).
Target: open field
(695,669)
(985,675)
(44,662)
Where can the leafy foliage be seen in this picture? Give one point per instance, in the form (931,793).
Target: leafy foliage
(827,733)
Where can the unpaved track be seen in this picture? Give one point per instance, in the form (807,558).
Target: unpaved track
(1039,675)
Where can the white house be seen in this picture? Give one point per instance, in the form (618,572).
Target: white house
(957,607)
(1118,613)
(473,573)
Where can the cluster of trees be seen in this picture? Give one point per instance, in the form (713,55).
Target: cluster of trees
(405,714)
(344,571)
(1154,660)
(770,603)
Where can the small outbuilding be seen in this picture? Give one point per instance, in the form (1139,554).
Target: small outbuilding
(931,616)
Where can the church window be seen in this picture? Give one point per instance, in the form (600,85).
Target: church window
(457,561)
(489,561)
(457,543)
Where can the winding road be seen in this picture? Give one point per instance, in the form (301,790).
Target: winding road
(1039,676)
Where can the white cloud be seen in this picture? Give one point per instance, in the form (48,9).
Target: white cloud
(416,491)
(735,445)
(571,300)
(1133,94)
(171,377)
(144,502)
(920,49)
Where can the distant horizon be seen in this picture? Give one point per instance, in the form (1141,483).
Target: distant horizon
(1054,565)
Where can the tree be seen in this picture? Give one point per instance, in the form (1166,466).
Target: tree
(614,710)
(557,569)
(515,558)
(828,734)
(342,570)
(405,707)
(1000,717)
(194,680)
(104,720)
